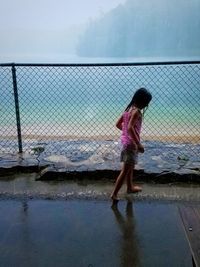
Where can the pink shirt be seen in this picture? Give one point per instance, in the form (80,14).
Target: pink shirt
(126,139)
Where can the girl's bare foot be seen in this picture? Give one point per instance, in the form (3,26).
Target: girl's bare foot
(134,189)
(115,200)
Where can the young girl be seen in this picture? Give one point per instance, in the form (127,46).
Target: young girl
(130,124)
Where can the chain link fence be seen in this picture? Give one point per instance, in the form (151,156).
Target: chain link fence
(72,109)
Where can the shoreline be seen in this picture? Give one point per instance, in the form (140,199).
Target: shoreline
(193,139)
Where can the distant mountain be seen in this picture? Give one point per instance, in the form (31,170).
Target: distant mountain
(144,28)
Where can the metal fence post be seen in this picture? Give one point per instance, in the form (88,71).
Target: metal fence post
(17,108)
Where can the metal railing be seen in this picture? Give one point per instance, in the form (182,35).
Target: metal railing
(73,107)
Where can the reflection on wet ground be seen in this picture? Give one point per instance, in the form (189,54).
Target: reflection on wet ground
(129,240)
(90,233)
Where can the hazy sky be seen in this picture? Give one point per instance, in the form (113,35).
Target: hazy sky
(45,29)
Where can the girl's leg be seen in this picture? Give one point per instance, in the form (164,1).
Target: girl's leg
(129,181)
(120,180)
(129,178)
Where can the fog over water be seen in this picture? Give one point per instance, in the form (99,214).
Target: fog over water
(99,31)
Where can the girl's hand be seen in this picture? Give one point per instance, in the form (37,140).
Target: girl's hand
(140,148)
(134,146)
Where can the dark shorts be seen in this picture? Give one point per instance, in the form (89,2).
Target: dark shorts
(129,156)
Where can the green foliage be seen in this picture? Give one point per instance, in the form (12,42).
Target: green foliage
(182,160)
(38,150)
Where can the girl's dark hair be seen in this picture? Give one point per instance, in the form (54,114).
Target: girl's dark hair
(141,99)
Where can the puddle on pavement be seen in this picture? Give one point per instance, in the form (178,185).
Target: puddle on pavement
(90,233)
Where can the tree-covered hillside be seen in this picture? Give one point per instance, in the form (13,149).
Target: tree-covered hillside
(158,28)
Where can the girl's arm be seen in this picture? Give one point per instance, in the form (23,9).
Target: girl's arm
(119,123)
(134,116)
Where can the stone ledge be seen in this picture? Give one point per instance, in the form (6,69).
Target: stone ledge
(140,175)
(161,163)
(48,173)
(19,169)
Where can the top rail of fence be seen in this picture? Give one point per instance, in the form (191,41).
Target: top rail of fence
(99,64)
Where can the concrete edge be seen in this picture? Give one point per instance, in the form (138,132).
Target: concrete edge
(48,173)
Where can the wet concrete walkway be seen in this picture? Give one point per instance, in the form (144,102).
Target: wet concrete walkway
(26,186)
(90,233)
(72,224)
